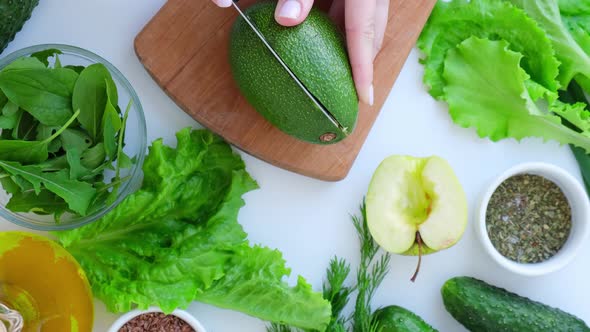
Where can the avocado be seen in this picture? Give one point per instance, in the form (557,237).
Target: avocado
(482,307)
(315,52)
(13,15)
(394,318)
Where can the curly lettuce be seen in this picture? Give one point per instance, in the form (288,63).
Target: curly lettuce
(495,99)
(452,22)
(501,64)
(177,240)
(574,60)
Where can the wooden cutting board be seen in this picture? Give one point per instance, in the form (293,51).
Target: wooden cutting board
(184,48)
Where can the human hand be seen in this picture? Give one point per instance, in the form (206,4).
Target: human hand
(364,23)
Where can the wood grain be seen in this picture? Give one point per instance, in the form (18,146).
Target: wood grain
(184,48)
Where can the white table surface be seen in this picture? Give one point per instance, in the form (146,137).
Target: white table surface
(307,219)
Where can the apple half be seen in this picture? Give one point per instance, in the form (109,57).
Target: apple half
(416,206)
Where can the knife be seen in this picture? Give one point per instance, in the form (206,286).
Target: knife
(300,84)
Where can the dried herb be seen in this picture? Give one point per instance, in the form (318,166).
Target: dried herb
(528,218)
(156,322)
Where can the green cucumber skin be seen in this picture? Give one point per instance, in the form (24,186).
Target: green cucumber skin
(315,51)
(481,307)
(13,15)
(397,319)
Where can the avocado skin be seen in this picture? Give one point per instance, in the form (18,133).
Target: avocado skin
(485,308)
(397,319)
(315,52)
(13,15)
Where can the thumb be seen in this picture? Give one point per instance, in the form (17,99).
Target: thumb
(292,12)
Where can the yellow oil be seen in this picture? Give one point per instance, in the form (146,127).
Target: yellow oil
(45,284)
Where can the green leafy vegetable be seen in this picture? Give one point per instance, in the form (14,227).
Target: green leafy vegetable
(45,93)
(177,239)
(90,96)
(574,61)
(370,273)
(30,152)
(499,65)
(453,22)
(495,99)
(77,194)
(37,100)
(44,55)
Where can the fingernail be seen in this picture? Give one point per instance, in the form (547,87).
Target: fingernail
(290,9)
(224,3)
(371,95)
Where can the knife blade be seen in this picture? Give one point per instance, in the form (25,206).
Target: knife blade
(300,84)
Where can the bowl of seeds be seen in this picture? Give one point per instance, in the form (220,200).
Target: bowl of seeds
(534,218)
(154,319)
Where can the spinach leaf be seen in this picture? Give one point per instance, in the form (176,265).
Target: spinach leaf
(77,69)
(94,90)
(8,184)
(25,127)
(28,152)
(45,202)
(75,139)
(44,55)
(111,125)
(25,63)
(10,115)
(45,93)
(44,132)
(3,99)
(78,195)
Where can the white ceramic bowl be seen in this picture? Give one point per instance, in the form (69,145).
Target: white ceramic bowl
(184,315)
(579,203)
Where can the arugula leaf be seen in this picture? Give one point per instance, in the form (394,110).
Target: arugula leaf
(452,22)
(44,55)
(45,93)
(29,152)
(75,139)
(177,239)
(90,97)
(8,184)
(77,171)
(495,100)
(93,157)
(122,159)
(77,195)
(45,202)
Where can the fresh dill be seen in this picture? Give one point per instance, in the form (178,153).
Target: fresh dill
(372,270)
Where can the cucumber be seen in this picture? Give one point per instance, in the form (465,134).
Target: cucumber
(397,319)
(482,307)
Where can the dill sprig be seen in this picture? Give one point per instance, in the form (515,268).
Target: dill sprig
(370,274)
(372,270)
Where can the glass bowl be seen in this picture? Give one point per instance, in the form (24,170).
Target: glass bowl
(134,143)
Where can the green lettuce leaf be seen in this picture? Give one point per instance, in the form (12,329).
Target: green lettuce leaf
(574,60)
(452,22)
(495,100)
(177,239)
(251,286)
